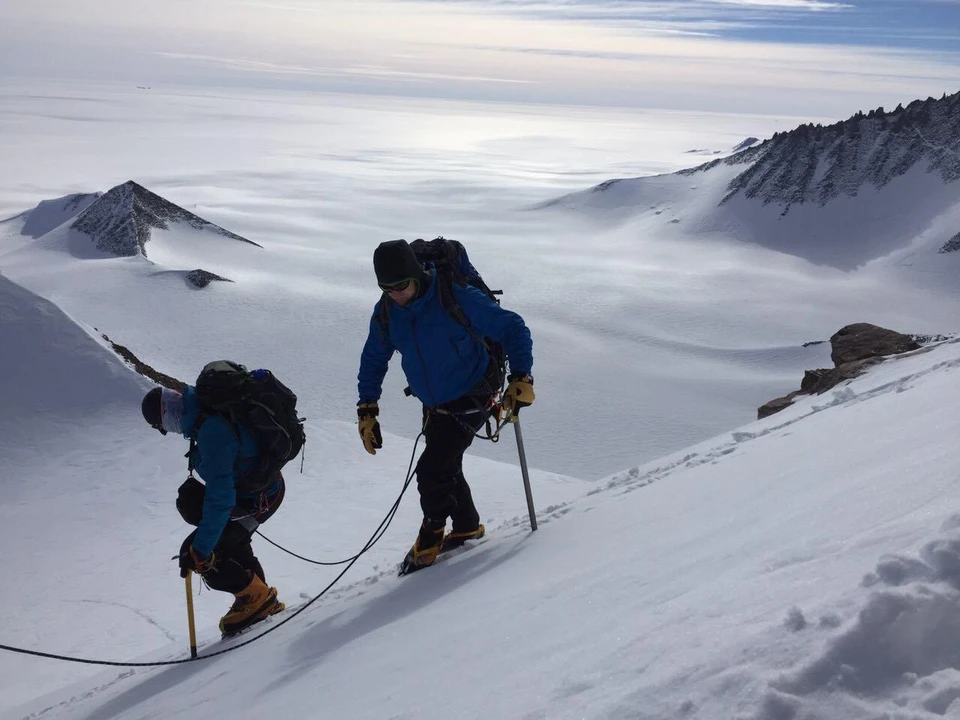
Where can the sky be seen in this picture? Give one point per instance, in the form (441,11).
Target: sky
(778,56)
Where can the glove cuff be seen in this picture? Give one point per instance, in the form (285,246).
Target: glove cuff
(521,376)
(367,410)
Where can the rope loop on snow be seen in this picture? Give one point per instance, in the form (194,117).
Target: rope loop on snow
(377,534)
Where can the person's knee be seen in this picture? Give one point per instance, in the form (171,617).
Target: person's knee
(234,539)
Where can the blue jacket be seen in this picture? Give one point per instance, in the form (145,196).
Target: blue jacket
(215,461)
(440,357)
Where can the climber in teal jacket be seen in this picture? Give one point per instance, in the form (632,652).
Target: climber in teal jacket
(224,513)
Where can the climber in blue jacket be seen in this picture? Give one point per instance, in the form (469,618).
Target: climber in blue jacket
(450,370)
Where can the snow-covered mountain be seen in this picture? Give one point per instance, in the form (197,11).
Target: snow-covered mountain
(839,195)
(119,222)
(817,164)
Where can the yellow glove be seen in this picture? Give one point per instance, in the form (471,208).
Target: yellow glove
(519,393)
(369,426)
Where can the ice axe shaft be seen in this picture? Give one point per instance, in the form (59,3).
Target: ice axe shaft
(526,476)
(193,629)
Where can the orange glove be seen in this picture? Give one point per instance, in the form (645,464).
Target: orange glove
(519,393)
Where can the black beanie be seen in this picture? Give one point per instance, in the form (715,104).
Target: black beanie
(150,407)
(394,261)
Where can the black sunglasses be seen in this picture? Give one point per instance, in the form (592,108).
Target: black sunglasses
(397,286)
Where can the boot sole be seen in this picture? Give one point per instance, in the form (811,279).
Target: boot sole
(453,543)
(407,566)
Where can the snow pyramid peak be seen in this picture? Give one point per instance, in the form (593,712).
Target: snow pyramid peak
(120,222)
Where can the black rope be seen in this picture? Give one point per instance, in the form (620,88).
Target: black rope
(378,533)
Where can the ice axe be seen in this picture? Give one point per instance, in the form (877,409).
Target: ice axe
(193,629)
(523,469)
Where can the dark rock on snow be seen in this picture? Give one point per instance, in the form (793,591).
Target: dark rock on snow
(143,368)
(202,278)
(863,340)
(854,349)
(951,245)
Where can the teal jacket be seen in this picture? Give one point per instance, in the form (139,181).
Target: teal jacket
(219,456)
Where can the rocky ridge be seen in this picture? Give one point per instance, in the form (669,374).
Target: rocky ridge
(815,163)
(951,245)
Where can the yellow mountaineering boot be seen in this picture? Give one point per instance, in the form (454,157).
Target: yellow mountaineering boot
(426,547)
(254,603)
(453,540)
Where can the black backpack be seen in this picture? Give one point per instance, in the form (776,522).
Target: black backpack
(264,406)
(452,264)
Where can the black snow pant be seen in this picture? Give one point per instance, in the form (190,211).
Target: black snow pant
(235,562)
(444,492)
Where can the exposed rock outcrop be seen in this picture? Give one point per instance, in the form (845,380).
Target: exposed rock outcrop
(863,340)
(202,278)
(854,349)
(141,367)
(119,222)
(951,245)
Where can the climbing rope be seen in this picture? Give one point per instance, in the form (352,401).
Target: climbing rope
(378,533)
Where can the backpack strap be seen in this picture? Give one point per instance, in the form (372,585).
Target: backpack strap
(451,306)
(189,457)
(382,319)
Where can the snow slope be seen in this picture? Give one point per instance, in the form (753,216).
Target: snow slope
(845,233)
(87,516)
(804,566)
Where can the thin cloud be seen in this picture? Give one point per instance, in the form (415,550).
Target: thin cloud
(740,55)
(810,5)
(639,9)
(260,66)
